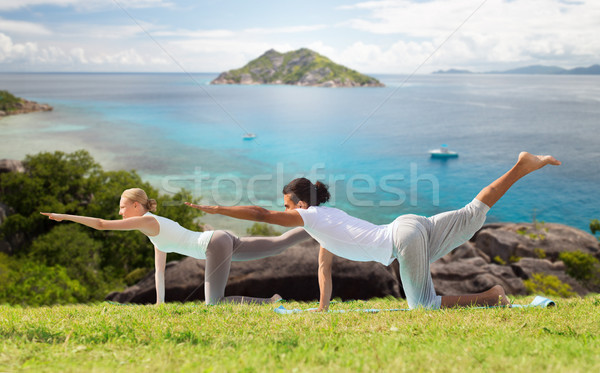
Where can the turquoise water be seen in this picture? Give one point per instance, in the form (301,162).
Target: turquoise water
(370,144)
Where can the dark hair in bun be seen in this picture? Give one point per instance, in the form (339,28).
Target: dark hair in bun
(302,189)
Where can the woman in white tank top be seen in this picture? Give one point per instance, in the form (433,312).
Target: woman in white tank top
(218,248)
(414,241)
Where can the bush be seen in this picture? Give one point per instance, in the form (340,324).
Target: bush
(498,260)
(71,246)
(27,282)
(540,253)
(583,267)
(8,101)
(580,266)
(595,226)
(549,285)
(135,276)
(514,259)
(262,229)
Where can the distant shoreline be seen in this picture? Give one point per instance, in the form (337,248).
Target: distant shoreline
(27,107)
(532,70)
(12,105)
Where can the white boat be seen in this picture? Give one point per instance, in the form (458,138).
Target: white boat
(443,152)
(249,136)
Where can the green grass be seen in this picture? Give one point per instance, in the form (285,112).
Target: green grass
(194,337)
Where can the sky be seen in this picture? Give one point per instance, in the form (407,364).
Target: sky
(378,37)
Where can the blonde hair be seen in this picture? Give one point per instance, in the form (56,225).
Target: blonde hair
(138,195)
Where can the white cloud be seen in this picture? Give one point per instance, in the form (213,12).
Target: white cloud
(285,30)
(219,54)
(401,57)
(12,52)
(78,54)
(534,31)
(391,36)
(23,28)
(53,57)
(99,32)
(324,49)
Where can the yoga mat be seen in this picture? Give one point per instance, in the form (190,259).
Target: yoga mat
(538,301)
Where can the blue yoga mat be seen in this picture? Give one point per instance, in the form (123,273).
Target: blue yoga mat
(538,301)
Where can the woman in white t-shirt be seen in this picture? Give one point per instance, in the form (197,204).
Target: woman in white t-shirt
(219,248)
(415,241)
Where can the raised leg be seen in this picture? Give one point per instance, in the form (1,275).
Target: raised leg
(492,297)
(526,164)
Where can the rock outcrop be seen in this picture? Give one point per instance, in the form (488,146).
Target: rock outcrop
(292,274)
(469,270)
(11,165)
(510,241)
(25,106)
(302,67)
(502,253)
(526,267)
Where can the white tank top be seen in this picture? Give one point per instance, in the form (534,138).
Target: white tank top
(346,236)
(173,238)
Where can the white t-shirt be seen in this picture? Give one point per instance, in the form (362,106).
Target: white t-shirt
(347,236)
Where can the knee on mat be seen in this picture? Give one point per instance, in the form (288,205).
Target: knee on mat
(428,304)
(212,302)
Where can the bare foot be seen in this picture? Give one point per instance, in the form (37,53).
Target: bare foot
(530,162)
(276,298)
(499,295)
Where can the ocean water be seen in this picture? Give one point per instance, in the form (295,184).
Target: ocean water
(370,145)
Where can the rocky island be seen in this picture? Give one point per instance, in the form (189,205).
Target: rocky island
(10,105)
(302,67)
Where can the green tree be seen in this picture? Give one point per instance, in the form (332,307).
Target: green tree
(56,182)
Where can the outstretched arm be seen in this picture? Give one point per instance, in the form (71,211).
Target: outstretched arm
(160,261)
(289,218)
(145,224)
(325,282)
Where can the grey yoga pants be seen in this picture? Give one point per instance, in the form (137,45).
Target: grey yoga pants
(420,241)
(225,248)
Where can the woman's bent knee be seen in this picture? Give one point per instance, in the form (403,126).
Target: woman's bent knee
(219,242)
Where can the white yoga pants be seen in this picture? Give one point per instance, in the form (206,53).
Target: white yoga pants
(420,241)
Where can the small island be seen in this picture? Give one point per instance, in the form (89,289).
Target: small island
(11,104)
(302,67)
